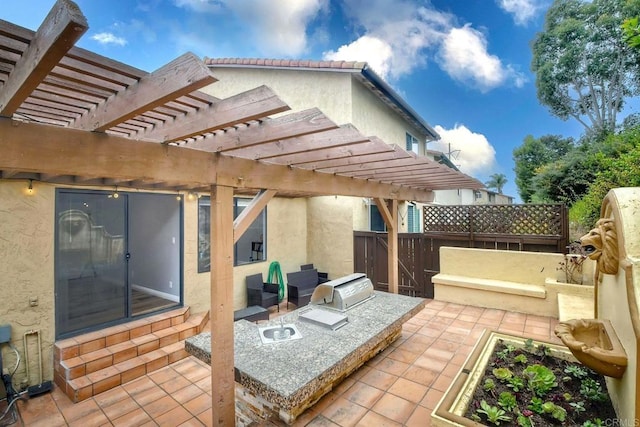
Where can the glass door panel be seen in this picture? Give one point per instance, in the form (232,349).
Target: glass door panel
(91,260)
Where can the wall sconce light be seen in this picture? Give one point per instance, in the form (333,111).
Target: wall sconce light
(178,196)
(30,188)
(191,196)
(115,194)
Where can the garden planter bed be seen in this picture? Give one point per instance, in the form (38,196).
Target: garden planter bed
(495,350)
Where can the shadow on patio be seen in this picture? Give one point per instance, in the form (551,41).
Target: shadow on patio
(398,387)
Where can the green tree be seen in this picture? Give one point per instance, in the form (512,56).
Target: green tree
(497,181)
(618,165)
(584,69)
(533,154)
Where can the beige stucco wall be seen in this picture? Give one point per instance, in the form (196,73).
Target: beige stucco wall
(300,90)
(286,243)
(373,117)
(27,271)
(513,266)
(27,266)
(614,301)
(330,234)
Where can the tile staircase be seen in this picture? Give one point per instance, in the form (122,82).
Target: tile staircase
(89,364)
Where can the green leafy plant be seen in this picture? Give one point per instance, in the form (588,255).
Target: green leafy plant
(494,414)
(576,371)
(540,379)
(596,422)
(536,405)
(502,374)
(524,421)
(489,385)
(515,383)
(521,358)
(592,390)
(507,400)
(528,345)
(578,406)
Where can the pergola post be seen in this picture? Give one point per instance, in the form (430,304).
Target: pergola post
(222,355)
(390,216)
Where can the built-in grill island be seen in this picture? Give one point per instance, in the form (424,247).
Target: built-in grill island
(346,324)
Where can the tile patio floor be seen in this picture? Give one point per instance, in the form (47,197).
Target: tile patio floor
(399,387)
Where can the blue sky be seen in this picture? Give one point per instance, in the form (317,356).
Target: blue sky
(463,65)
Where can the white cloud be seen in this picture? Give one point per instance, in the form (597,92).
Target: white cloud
(278,30)
(464,56)
(523,11)
(395,37)
(109,38)
(376,52)
(472,152)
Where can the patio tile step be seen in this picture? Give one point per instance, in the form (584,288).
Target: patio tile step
(93,372)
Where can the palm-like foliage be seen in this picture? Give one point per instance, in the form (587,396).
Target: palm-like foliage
(497,181)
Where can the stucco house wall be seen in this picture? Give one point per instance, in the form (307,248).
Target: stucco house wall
(27,231)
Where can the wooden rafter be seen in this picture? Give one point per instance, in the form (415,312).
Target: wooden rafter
(179,77)
(340,156)
(250,105)
(62,27)
(266,130)
(344,135)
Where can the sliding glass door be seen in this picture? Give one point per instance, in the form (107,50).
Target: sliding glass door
(91,260)
(118,255)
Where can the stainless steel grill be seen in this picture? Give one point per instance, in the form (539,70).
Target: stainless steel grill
(343,293)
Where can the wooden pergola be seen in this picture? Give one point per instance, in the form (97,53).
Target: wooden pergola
(71,116)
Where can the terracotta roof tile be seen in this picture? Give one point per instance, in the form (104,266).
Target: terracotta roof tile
(292,63)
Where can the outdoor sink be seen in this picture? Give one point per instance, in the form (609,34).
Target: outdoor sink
(279,333)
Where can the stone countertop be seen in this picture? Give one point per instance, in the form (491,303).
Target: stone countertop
(287,366)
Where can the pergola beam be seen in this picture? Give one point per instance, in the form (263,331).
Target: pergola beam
(179,77)
(244,107)
(60,30)
(62,151)
(250,213)
(390,216)
(222,368)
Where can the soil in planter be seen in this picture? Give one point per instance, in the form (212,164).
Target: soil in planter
(580,391)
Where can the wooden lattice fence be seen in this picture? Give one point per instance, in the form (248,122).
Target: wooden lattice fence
(532,220)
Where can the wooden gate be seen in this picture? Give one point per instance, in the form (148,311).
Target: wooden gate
(370,257)
(534,228)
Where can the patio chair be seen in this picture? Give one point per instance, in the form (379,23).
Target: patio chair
(324,277)
(261,293)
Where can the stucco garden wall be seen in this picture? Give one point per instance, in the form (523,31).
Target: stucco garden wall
(508,280)
(27,272)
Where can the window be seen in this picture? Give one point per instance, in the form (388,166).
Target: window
(413,219)
(412,143)
(376,223)
(250,248)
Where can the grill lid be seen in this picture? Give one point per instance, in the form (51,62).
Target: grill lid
(343,293)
